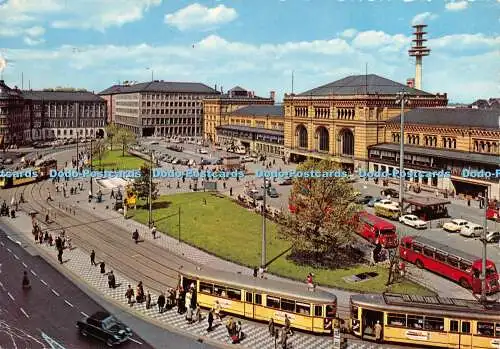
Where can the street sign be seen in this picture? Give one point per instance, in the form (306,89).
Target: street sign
(336,338)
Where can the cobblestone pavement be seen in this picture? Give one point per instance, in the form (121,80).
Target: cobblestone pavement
(78,262)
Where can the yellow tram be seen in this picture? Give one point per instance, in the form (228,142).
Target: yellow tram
(427,321)
(260,299)
(40,172)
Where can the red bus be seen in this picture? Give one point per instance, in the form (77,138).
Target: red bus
(456,265)
(376,230)
(493,212)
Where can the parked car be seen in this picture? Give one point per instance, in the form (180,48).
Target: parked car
(373,201)
(471,230)
(455,225)
(205,162)
(8,161)
(203,151)
(389,191)
(363,200)
(387,202)
(413,221)
(184,162)
(247,159)
(256,194)
(493,236)
(286,181)
(272,192)
(105,327)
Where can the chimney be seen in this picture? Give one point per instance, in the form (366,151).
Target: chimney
(215,87)
(272,95)
(410,82)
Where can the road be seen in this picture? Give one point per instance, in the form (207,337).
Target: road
(49,309)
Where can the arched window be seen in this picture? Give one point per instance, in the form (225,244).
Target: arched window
(347,142)
(494,148)
(454,144)
(301,134)
(322,139)
(488,147)
(481,146)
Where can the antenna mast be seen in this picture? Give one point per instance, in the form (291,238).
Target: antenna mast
(419,50)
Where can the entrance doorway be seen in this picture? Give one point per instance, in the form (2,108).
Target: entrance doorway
(466,188)
(369,319)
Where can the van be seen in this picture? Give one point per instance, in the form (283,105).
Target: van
(388,211)
(471,230)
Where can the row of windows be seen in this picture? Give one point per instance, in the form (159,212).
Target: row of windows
(284,304)
(438,255)
(171,111)
(485,146)
(489,329)
(164,96)
(171,104)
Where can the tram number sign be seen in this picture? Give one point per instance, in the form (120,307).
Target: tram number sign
(336,338)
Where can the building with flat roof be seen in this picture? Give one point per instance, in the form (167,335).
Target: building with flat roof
(65,114)
(15,127)
(258,128)
(340,120)
(158,108)
(216,109)
(460,141)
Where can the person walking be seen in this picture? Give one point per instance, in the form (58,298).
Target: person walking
(59,255)
(270,327)
(287,325)
(189,315)
(153,232)
(378,331)
(283,338)
(102,265)
(148,300)
(197,314)
(92,258)
(129,294)
(161,302)
(135,236)
(111,280)
(210,320)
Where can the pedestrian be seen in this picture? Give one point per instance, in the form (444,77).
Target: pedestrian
(189,315)
(310,282)
(111,280)
(255,272)
(135,236)
(197,313)
(129,294)
(59,255)
(284,338)
(92,258)
(287,325)
(231,191)
(161,302)
(148,300)
(378,331)
(217,311)
(103,267)
(210,320)
(112,195)
(271,326)
(153,232)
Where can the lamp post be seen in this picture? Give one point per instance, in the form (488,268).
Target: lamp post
(484,235)
(152,73)
(91,186)
(150,220)
(263,256)
(402,99)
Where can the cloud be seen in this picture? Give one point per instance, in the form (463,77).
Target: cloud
(18,15)
(457,5)
(32,42)
(421,18)
(349,33)
(196,16)
(35,31)
(261,67)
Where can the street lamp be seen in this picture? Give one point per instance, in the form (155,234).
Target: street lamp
(150,220)
(152,73)
(485,229)
(263,256)
(402,99)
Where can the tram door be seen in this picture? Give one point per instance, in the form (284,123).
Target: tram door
(369,319)
(465,335)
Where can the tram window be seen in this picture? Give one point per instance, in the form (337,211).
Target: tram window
(465,327)
(249,297)
(206,288)
(330,311)
(220,290)
(273,302)
(453,261)
(287,305)
(434,323)
(440,256)
(453,325)
(415,321)
(396,319)
(497,330)
(258,298)
(354,311)
(318,311)
(304,309)
(428,252)
(485,329)
(233,294)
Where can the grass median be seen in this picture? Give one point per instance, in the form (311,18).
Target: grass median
(223,228)
(113,160)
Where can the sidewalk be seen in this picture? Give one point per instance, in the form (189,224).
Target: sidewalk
(78,263)
(434,282)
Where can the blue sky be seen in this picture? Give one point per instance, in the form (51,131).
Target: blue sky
(256,44)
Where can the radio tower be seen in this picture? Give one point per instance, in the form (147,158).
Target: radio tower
(418,50)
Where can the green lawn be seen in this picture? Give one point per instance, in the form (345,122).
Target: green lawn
(113,159)
(225,229)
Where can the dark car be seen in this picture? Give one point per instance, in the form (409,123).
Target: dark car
(105,327)
(389,191)
(205,162)
(272,192)
(286,181)
(363,200)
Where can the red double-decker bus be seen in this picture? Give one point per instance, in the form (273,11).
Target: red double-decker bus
(453,264)
(377,230)
(493,211)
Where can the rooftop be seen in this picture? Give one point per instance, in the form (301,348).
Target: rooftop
(238,92)
(82,96)
(425,201)
(160,86)
(463,117)
(249,129)
(7,93)
(363,85)
(260,110)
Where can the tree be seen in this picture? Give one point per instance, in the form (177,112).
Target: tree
(141,185)
(323,225)
(99,147)
(125,137)
(111,132)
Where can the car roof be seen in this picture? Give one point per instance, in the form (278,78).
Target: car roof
(474,225)
(100,315)
(459,220)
